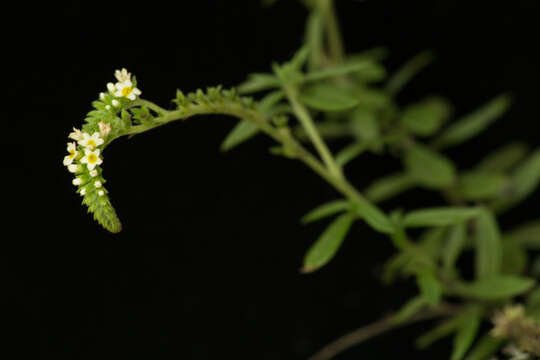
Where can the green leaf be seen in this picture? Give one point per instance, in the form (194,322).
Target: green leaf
(410,308)
(325,210)
(514,257)
(408,71)
(442,330)
(488,245)
(328,243)
(388,187)
(504,158)
(373,216)
(349,153)
(429,168)
(468,328)
(481,185)
(527,235)
(426,117)
(267,103)
(454,245)
(243,131)
(474,123)
(497,287)
(486,347)
(523,181)
(430,287)
(259,82)
(314,39)
(326,97)
(366,68)
(440,216)
(364,125)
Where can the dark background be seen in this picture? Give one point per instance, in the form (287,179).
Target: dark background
(207,264)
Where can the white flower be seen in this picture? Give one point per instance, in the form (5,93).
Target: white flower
(72,150)
(93,173)
(90,141)
(83,192)
(75,135)
(73,168)
(107,107)
(122,75)
(101,96)
(111,87)
(115,103)
(126,89)
(91,159)
(77,181)
(104,129)
(97,183)
(101,193)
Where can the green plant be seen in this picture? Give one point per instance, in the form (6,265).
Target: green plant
(323,93)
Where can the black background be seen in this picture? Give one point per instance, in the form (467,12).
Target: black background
(207,264)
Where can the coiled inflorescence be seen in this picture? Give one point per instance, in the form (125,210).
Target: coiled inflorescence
(105,122)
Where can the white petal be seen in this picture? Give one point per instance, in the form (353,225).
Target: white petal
(67,160)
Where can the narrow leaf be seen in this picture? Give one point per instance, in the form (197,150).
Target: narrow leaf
(388,187)
(444,329)
(349,153)
(325,210)
(486,347)
(514,257)
(374,217)
(364,67)
(454,246)
(408,71)
(440,216)
(426,117)
(430,287)
(270,101)
(328,243)
(472,124)
(527,235)
(497,287)
(466,334)
(410,308)
(429,168)
(481,185)
(258,82)
(243,131)
(488,246)
(328,97)
(504,158)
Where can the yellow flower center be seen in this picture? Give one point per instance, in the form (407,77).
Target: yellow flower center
(91,143)
(126,91)
(92,158)
(71,153)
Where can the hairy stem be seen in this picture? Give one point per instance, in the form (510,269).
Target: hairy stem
(378,327)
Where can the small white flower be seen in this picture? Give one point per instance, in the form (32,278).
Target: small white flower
(101,193)
(93,173)
(91,159)
(72,150)
(111,87)
(74,168)
(107,107)
(104,129)
(101,95)
(126,89)
(122,75)
(83,192)
(77,181)
(90,141)
(75,135)
(97,184)
(115,103)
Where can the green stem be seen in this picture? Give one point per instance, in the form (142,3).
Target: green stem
(335,42)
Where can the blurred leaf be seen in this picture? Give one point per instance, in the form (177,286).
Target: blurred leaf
(454,245)
(314,39)
(474,123)
(328,243)
(527,235)
(481,185)
(426,117)
(430,287)
(533,298)
(408,71)
(243,131)
(442,330)
(350,152)
(258,82)
(535,267)
(504,158)
(410,308)
(373,216)
(325,210)
(488,245)
(373,54)
(514,258)
(468,328)
(523,181)
(431,241)
(326,97)
(270,101)
(372,99)
(486,347)
(388,187)
(429,168)
(364,125)
(439,216)
(364,67)
(496,287)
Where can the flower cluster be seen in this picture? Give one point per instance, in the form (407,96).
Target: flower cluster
(85,150)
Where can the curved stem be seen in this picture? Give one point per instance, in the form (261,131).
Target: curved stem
(378,327)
